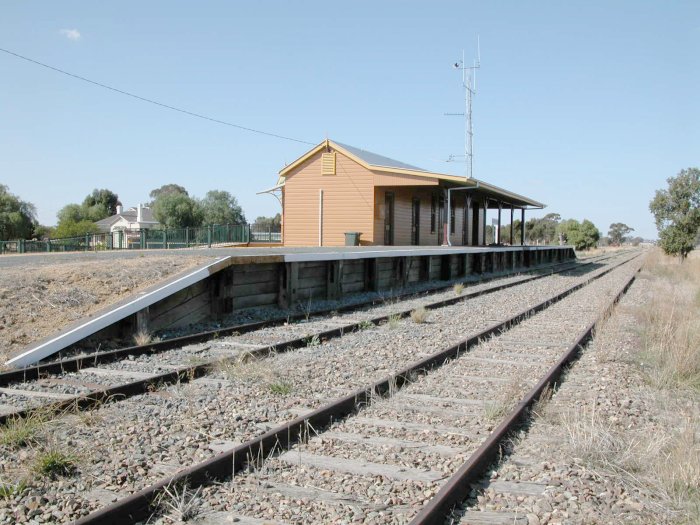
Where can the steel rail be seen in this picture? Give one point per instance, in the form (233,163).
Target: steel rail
(457,487)
(187,373)
(74,364)
(138,506)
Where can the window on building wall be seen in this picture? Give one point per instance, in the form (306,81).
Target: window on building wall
(433,211)
(452,217)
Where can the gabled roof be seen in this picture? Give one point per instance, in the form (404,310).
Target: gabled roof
(107,222)
(375,162)
(369,160)
(129,215)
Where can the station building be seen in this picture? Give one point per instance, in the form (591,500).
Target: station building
(335,189)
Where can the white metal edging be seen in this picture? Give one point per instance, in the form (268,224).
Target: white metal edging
(92,326)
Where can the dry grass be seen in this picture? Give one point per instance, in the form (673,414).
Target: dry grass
(661,462)
(670,323)
(180,503)
(419,315)
(594,442)
(677,469)
(394,320)
(458,288)
(248,367)
(660,458)
(506,401)
(142,338)
(257,370)
(539,407)
(595,252)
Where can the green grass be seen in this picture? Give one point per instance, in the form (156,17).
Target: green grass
(20,432)
(53,463)
(10,490)
(313,340)
(281,388)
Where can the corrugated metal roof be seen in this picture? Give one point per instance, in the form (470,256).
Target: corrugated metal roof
(375,159)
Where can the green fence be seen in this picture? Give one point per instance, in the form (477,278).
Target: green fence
(217,234)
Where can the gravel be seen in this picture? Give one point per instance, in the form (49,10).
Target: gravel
(128,444)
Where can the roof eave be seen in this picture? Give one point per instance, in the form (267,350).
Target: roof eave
(510,194)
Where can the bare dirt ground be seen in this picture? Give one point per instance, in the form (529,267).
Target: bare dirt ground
(39,298)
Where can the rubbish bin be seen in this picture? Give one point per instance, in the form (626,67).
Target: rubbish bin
(352,238)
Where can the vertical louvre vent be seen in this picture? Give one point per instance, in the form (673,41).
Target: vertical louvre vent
(328,164)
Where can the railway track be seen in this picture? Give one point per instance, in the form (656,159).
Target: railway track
(85,381)
(470,393)
(106,481)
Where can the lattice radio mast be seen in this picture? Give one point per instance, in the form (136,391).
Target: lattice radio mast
(469,85)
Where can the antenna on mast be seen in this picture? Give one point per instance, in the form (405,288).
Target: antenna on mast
(469,85)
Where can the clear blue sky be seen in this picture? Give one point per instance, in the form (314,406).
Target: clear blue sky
(586,106)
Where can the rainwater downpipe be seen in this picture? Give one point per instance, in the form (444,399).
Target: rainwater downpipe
(320,217)
(448,221)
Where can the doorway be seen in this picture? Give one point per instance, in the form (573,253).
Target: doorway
(475,224)
(465,219)
(441,220)
(415,222)
(388,218)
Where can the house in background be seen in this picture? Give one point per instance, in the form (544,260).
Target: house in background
(132,219)
(334,189)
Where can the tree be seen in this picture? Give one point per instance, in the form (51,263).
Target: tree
(542,230)
(582,235)
(490,234)
(177,210)
(676,211)
(220,207)
(42,232)
(266,222)
(166,189)
(17,218)
(78,219)
(70,213)
(617,233)
(100,204)
(68,228)
(505,232)
(589,236)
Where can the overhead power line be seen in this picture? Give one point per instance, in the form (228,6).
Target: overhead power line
(155,102)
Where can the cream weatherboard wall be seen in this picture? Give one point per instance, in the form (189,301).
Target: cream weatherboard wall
(348,203)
